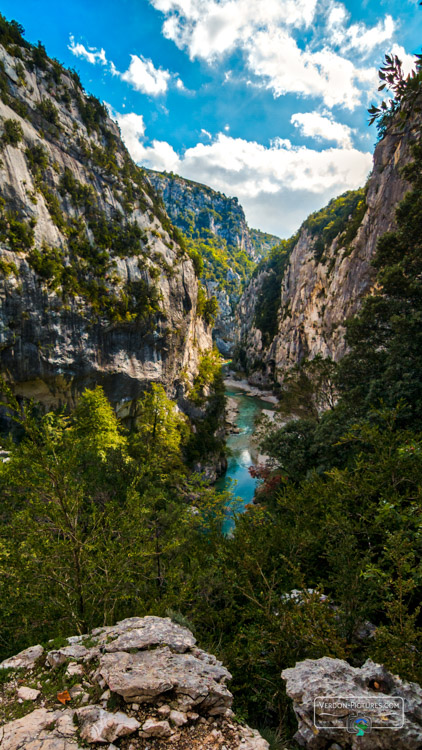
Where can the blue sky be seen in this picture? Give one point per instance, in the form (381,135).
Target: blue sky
(262,99)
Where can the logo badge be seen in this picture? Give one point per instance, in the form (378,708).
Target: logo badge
(359,725)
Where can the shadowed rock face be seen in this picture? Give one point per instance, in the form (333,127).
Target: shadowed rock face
(313,679)
(317,297)
(153,682)
(97,290)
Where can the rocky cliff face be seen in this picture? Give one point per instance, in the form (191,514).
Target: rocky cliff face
(142,683)
(215,226)
(192,205)
(324,283)
(94,287)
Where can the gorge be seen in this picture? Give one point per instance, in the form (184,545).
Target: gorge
(143,329)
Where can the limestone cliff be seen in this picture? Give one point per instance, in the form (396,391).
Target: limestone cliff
(326,277)
(94,287)
(215,227)
(192,205)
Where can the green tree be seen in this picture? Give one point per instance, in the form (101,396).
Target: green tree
(12,132)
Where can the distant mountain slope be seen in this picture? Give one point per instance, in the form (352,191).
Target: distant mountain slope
(214,224)
(263,241)
(215,227)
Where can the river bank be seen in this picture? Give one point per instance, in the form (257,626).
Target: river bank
(232,382)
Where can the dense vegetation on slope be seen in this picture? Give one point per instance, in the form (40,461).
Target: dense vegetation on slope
(263,242)
(268,299)
(214,228)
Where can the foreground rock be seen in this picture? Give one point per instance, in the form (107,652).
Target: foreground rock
(140,684)
(312,679)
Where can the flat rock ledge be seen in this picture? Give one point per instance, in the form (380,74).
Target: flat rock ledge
(313,679)
(141,684)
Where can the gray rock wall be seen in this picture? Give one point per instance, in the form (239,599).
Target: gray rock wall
(51,345)
(316,298)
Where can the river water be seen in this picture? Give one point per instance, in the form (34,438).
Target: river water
(242,454)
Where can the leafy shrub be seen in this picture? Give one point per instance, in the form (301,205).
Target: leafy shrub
(53,205)
(93,112)
(82,195)
(39,57)
(12,133)
(48,264)
(11,32)
(18,234)
(49,111)
(37,158)
(7,268)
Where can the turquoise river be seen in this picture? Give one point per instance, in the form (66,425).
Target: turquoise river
(242,453)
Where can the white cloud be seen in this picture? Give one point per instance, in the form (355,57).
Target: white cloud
(278,185)
(206,133)
(145,77)
(160,155)
(408,61)
(265,32)
(357,36)
(285,68)
(364,40)
(142,74)
(322,127)
(91,54)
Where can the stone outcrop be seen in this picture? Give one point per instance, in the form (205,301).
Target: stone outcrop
(370,684)
(94,287)
(317,296)
(142,683)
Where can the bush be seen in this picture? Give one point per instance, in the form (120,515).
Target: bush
(6,268)
(13,133)
(49,111)
(37,158)
(18,234)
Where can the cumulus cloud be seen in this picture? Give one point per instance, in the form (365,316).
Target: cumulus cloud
(278,184)
(145,77)
(357,36)
(91,54)
(408,61)
(322,127)
(364,40)
(265,32)
(159,155)
(141,74)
